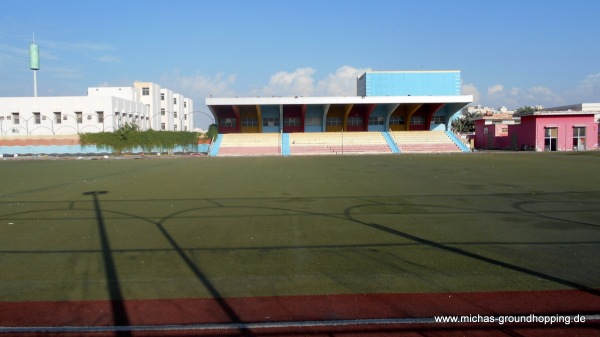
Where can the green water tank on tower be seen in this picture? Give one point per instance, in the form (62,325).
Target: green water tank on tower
(34,57)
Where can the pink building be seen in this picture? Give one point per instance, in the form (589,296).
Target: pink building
(491,131)
(544,130)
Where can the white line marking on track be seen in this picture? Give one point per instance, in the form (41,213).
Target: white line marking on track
(235,326)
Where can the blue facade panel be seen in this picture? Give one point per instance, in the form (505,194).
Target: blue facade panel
(377,119)
(271,119)
(378,128)
(409,83)
(313,120)
(313,128)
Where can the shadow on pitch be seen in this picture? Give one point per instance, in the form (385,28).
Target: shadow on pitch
(120,316)
(471,255)
(114,288)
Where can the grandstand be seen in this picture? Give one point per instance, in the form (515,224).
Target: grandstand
(335,143)
(248,144)
(424,141)
(338,143)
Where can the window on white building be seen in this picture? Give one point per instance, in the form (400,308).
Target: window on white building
(145,91)
(162,96)
(15,116)
(57,118)
(162,111)
(79,116)
(100,115)
(37,118)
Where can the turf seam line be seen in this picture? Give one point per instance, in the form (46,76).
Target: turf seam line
(236,326)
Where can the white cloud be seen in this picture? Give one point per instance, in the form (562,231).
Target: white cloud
(471,89)
(340,83)
(516,97)
(495,89)
(199,86)
(301,82)
(297,83)
(587,91)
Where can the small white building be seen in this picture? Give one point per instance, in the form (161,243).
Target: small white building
(486,111)
(103,109)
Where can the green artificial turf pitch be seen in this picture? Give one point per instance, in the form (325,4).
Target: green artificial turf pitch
(242,227)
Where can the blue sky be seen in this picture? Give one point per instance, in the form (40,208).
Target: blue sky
(511,53)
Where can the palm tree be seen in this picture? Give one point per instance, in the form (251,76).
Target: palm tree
(465,123)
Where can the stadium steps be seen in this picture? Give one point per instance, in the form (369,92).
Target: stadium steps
(250,144)
(424,142)
(391,142)
(457,141)
(328,143)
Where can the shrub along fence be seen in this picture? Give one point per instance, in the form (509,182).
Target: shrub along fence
(129,139)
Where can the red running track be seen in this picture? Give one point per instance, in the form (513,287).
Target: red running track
(195,313)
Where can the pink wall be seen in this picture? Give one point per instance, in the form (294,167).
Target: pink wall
(480,140)
(531,132)
(491,136)
(525,133)
(565,125)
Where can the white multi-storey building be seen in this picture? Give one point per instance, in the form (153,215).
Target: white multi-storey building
(103,109)
(484,110)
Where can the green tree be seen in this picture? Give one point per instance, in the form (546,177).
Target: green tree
(525,109)
(465,123)
(127,129)
(212,132)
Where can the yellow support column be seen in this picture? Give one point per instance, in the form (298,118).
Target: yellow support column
(408,113)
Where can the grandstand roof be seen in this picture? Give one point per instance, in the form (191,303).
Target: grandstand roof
(277,100)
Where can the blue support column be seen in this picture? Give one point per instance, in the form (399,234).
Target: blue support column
(214,149)
(285,144)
